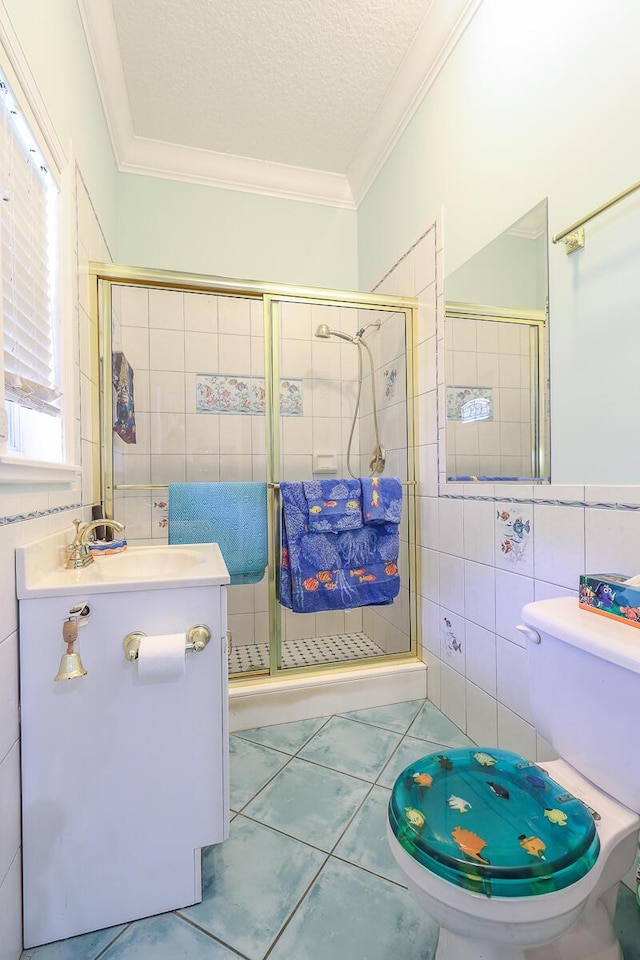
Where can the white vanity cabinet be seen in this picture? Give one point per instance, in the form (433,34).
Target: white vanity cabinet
(123,780)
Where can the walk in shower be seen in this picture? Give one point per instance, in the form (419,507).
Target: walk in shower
(207,379)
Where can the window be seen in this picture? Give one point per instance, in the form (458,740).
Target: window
(29,281)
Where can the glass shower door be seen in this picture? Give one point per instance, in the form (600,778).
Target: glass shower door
(213,381)
(337,412)
(192,365)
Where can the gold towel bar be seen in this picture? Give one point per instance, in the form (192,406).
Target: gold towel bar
(164,486)
(573,236)
(403,483)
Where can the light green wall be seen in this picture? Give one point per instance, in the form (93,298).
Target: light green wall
(505,273)
(52,38)
(181,226)
(537,101)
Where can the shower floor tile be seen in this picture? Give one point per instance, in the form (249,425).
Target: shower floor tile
(251,657)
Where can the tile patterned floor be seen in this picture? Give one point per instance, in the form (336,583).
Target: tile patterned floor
(250,657)
(306,873)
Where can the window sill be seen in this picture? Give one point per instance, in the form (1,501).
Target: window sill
(14,470)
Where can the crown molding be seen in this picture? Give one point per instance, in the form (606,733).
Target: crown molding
(156,158)
(443,25)
(102,40)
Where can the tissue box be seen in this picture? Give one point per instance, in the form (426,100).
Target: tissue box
(609,595)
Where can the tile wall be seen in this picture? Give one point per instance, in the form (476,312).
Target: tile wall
(28,514)
(388,626)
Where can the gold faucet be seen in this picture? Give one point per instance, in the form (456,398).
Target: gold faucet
(78,552)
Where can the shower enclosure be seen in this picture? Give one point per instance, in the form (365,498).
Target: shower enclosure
(207,379)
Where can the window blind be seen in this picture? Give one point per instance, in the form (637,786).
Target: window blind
(29,216)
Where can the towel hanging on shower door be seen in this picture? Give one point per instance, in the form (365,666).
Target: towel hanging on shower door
(334,571)
(381,499)
(233,515)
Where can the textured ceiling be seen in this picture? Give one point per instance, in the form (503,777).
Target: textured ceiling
(297,82)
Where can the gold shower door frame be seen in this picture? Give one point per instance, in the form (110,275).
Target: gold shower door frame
(536,321)
(103,276)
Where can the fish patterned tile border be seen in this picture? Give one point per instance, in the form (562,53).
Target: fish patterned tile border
(218,393)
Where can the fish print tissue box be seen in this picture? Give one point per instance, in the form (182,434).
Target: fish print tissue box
(611,595)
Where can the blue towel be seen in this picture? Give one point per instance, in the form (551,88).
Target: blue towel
(334,505)
(233,515)
(381,499)
(334,571)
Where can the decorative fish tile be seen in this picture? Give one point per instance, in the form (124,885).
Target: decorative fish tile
(291,398)
(389,385)
(468,404)
(221,394)
(160,514)
(216,393)
(514,526)
(451,638)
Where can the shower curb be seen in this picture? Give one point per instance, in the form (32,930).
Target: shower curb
(267,702)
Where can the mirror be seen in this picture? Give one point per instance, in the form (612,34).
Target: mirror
(496,358)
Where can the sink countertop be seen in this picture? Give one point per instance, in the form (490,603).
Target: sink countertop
(40,568)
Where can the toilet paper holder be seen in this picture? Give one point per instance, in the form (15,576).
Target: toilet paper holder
(196,638)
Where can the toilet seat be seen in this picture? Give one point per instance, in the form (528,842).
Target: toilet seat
(492,822)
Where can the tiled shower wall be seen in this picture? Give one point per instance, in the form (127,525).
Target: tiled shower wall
(170,337)
(29,514)
(494,356)
(487,549)
(388,626)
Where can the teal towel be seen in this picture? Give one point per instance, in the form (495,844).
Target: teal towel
(233,515)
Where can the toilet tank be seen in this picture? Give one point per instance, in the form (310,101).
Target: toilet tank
(584,685)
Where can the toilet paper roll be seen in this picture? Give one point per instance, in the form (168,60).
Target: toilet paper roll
(162,657)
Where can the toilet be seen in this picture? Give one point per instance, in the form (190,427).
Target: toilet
(521,861)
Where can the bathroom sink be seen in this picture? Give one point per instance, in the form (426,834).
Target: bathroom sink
(143,563)
(40,570)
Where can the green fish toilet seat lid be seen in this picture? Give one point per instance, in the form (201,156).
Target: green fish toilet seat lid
(492,822)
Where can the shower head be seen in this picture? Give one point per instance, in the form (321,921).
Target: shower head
(324,333)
